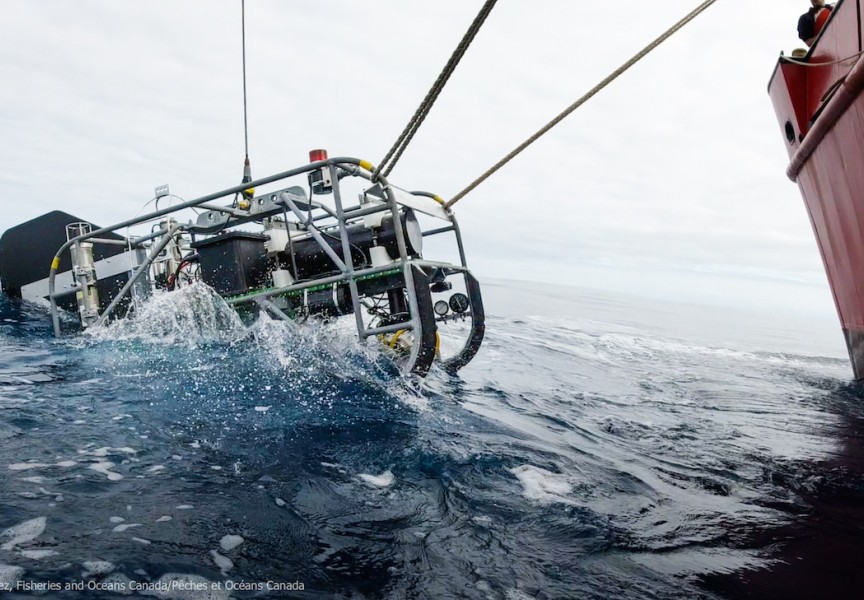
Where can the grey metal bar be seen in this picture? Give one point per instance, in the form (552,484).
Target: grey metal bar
(315,234)
(437,231)
(109,242)
(55,317)
(394,211)
(387,329)
(295,287)
(142,268)
(267,304)
(68,291)
(438,265)
(428,195)
(459,240)
(81,277)
(326,209)
(138,241)
(360,212)
(224,209)
(346,252)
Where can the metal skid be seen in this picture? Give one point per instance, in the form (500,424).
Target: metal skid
(285,292)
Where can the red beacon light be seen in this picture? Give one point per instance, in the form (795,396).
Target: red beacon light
(316,155)
(319,179)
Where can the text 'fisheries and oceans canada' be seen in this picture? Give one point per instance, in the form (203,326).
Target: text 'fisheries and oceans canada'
(173,585)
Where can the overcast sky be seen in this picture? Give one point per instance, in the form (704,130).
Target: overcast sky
(671,182)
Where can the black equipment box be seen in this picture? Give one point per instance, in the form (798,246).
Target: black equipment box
(233,263)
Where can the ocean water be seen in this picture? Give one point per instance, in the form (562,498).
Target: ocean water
(599,446)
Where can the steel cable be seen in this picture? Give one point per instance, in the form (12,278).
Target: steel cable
(636,58)
(420,114)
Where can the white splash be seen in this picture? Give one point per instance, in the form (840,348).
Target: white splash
(28,466)
(383,480)
(229,542)
(37,554)
(187,316)
(104,467)
(542,485)
(107,450)
(9,575)
(96,567)
(224,563)
(37,479)
(23,532)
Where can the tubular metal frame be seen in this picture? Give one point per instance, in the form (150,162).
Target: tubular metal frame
(349,273)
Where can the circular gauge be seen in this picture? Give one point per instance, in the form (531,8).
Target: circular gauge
(459,303)
(441,308)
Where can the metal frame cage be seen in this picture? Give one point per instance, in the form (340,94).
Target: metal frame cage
(307,259)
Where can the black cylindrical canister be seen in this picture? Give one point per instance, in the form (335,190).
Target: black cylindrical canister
(312,261)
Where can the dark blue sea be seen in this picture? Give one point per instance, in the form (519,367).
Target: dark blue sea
(599,446)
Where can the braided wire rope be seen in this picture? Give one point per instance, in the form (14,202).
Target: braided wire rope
(417,119)
(593,91)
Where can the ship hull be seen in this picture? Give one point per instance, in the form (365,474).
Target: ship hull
(820,110)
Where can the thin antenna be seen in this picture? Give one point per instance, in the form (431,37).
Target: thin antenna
(247,169)
(245,122)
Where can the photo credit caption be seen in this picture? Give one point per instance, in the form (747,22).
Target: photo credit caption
(159,586)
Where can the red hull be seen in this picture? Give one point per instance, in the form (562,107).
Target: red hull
(820,109)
